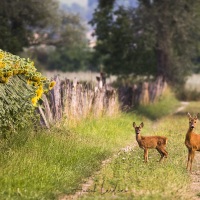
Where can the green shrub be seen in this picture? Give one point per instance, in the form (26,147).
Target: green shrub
(165,105)
(16,109)
(21,87)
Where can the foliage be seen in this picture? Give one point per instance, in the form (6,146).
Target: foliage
(20,20)
(156,38)
(67,48)
(166,105)
(11,65)
(69,59)
(16,107)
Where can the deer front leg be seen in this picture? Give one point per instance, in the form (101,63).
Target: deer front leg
(191,159)
(145,155)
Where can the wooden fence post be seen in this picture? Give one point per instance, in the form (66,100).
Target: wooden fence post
(56,104)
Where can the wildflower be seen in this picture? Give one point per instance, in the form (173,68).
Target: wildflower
(17,65)
(34,101)
(39,92)
(29,82)
(4,79)
(9,73)
(1,55)
(15,72)
(2,64)
(52,84)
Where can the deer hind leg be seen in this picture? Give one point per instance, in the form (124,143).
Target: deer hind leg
(165,152)
(162,152)
(145,155)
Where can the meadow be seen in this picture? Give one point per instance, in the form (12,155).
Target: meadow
(128,177)
(37,163)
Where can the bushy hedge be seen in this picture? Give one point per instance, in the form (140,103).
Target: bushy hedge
(21,87)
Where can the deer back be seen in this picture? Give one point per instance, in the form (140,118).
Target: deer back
(153,141)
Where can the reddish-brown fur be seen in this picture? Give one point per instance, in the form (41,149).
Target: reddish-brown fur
(192,140)
(150,142)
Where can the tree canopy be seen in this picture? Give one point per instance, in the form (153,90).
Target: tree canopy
(159,37)
(21,19)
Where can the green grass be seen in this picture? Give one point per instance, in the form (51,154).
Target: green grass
(128,177)
(46,164)
(166,105)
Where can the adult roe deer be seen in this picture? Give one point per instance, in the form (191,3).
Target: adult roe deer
(192,140)
(150,142)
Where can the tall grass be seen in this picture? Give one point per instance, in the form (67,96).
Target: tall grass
(45,164)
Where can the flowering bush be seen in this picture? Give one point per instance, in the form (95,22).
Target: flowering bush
(11,65)
(21,86)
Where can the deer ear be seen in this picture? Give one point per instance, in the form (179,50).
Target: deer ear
(142,124)
(188,114)
(134,124)
(197,116)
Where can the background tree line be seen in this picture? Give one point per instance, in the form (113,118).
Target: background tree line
(158,37)
(155,38)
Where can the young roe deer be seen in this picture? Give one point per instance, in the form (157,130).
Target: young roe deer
(150,142)
(192,140)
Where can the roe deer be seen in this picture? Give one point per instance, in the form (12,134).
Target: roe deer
(150,142)
(192,140)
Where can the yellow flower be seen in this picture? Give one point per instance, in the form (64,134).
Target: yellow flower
(35,78)
(29,82)
(39,92)
(1,55)
(34,83)
(34,101)
(2,64)
(17,64)
(10,73)
(4,79)
(15,72)
(52,84)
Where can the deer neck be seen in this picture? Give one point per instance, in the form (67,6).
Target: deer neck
(189,133)
(138,137)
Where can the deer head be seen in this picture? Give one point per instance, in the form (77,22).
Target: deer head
(192,121)
(138,128)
